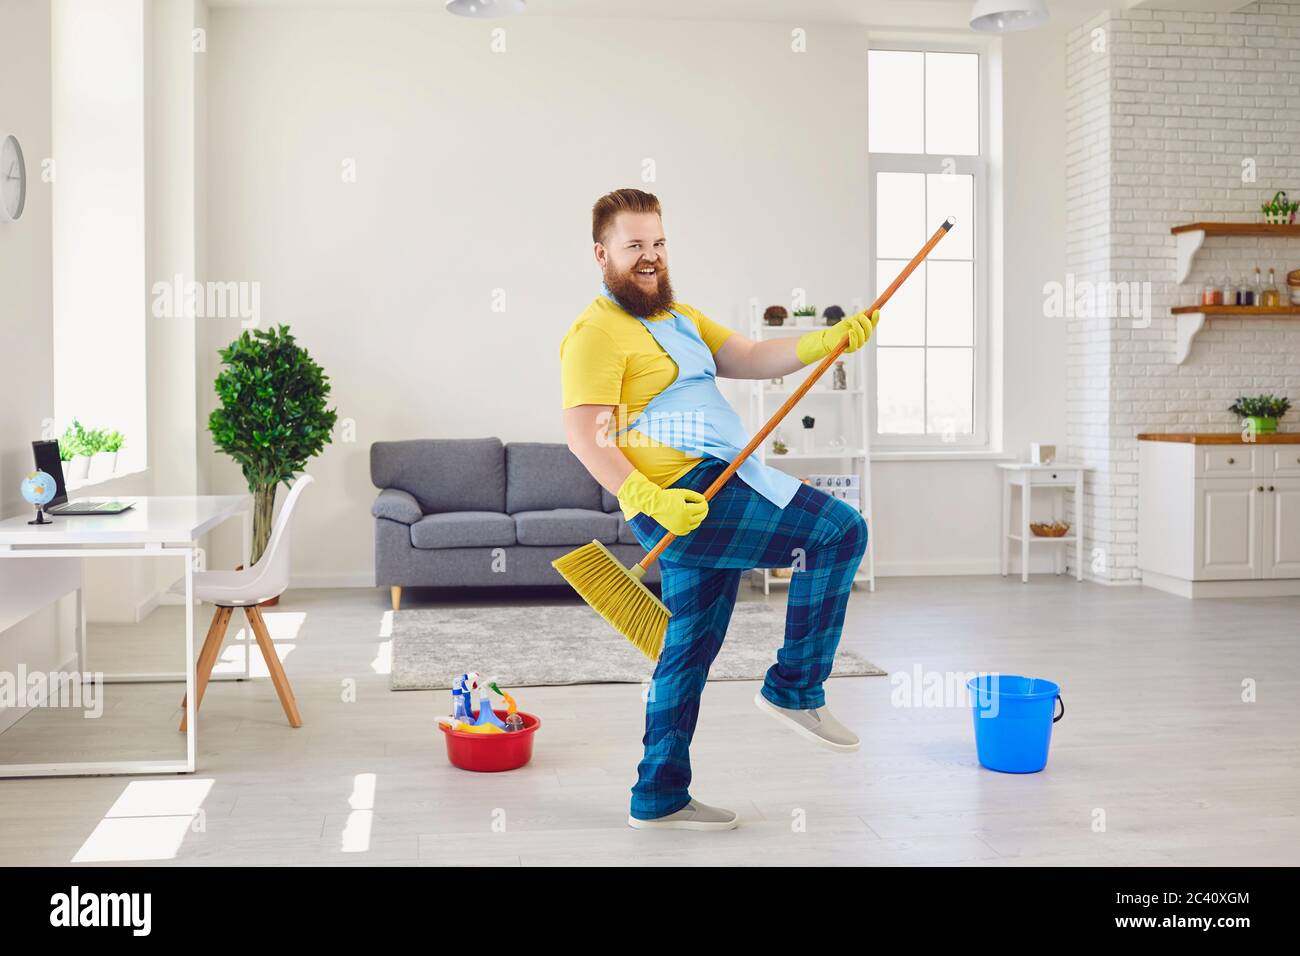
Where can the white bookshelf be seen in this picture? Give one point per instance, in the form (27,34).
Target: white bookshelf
(840,414)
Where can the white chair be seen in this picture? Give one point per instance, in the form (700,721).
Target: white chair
(248,588)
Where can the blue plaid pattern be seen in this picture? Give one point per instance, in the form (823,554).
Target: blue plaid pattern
(701,575)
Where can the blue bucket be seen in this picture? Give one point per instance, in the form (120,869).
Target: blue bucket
(1013,720)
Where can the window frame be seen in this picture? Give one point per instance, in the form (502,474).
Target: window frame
(978,167)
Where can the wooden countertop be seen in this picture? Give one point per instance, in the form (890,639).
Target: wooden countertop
(1222,438)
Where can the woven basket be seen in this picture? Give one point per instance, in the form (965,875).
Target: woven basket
(1053,529)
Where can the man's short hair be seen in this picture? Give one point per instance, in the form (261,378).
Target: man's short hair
(620,200)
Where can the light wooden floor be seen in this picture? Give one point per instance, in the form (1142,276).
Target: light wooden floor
(1158,761)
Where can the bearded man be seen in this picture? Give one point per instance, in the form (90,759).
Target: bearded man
(643,414)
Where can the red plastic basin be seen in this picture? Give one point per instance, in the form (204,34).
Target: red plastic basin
(491,753)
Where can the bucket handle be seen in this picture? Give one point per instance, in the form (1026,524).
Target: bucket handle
(1060,700)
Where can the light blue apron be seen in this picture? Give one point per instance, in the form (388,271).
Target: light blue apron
(692,416)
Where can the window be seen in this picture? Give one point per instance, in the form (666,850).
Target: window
(925,136)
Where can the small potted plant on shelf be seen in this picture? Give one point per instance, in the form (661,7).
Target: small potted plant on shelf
(833,314)
(113,442)
(804,315)
(1279,210)
(1261,412)
(73,448)
(809,441)
(775,315)
(101,459)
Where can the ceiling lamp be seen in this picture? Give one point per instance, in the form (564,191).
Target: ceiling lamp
(1007,16)
(485,9)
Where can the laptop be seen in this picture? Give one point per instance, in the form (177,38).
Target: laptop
(47,458)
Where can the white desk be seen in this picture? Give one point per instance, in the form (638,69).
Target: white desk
(165,527)
(1062,475)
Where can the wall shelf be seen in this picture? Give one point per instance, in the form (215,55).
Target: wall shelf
(849,414)
(1191,235)
(1190,319)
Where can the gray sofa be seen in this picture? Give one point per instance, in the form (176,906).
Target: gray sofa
(475,512)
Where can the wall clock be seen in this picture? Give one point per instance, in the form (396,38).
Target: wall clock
(13,180)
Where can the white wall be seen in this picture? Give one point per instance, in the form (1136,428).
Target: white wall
(42,641)
(476,171)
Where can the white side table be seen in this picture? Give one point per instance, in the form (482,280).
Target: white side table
(1061,476)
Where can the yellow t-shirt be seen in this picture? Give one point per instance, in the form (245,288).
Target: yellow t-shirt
(609,357)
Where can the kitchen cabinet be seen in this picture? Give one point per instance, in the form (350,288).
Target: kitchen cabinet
(1219,516)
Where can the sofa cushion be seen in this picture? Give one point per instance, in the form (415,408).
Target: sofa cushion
(463,529)
(565,526)
(608,502)
(444,474)
(541,476)
(625,533)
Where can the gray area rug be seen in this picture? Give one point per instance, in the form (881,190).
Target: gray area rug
(539,646)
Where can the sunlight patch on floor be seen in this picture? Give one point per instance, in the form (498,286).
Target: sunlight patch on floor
(356,832)
(383,662)
(149,821)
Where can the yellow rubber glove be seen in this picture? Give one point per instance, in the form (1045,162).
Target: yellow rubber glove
(815,346)
(680,510)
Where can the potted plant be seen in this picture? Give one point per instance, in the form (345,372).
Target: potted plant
(775,315)
(809,444)
(272,418)
(1279,210)
(73,448)
(1261,412)
(113,442)
(101,459)
(805,315)
(832,314)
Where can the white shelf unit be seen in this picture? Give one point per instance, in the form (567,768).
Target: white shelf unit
(839,413)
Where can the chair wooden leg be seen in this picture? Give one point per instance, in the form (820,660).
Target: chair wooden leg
(396,592)
(281,682)
(208,657)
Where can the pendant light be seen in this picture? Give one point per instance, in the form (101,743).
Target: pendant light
(1008,16)
(485,9)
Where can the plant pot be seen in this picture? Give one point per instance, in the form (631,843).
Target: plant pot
(78,467)
(101,465)
(1261,425)
(808,441)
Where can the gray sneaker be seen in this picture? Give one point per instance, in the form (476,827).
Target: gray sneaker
(693,816)
(817,724)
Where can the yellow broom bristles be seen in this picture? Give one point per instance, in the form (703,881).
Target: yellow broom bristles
(617,594)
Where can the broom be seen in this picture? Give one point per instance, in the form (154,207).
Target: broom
(617,593)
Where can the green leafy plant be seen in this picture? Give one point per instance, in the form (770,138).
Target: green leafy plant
(94,441)
(74,441)
(1260,406)
(113,441)
(272,418)
(1279,209)
(806,310)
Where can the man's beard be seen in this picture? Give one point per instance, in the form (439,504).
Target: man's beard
(623,286)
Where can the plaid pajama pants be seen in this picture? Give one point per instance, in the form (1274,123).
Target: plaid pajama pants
(701,574)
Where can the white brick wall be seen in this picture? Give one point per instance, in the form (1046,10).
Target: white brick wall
(1158,127)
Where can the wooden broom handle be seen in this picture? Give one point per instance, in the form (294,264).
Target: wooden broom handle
(802,390)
